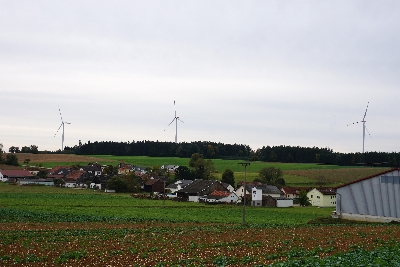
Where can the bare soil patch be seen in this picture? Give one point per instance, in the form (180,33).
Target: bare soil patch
(40,158)
(338,176)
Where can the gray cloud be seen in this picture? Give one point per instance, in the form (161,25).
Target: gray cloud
(252,72)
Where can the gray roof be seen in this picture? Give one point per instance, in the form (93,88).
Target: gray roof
(266,189)
(198,186)
(172,186)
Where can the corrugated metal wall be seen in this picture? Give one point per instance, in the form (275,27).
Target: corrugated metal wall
(377,196)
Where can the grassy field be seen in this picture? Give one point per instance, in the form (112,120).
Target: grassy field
(295,174)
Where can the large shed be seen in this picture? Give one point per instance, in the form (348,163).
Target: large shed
(373,198)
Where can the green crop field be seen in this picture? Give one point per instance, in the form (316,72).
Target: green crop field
(56,202)
(50,226)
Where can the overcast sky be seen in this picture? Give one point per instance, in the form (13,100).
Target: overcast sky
(248,72)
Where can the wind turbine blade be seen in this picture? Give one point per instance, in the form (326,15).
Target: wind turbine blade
(367,131)
(60,113)
(179,119)
(353,123)
(365,114)
(58,130)
(170,123)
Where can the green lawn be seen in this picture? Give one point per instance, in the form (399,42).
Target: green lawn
(295,174)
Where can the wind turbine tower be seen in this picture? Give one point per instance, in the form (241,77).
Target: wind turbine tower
(176,119)
(364,127)
(62,125)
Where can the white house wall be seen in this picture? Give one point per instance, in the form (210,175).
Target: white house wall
(371,197)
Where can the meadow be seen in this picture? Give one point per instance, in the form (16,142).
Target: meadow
(295,174)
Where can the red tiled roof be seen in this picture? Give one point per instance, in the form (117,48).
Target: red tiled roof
(55,176)
(248,183)
(16,173)
(75,174)
(327,190)
(295,190)
(220,193)
(57,168)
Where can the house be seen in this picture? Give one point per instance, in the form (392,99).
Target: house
(220,197)
(48,182)
(34,170)
(69,183)
(199,188)
(267,190)
(256,197)
(72,178)
(293,192)
(92,168)
(229,187)
(13,175)
(322,197)
(59,172)
(373,198)
(178,185)
(169,168)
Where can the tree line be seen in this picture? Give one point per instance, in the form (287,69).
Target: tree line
(213,150)
(209,150)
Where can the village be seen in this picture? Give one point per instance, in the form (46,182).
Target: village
(373,198)
(95,176)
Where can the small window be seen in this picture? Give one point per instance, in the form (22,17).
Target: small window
(311,196)
(318,197)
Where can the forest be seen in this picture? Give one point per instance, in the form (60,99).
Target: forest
(213,150)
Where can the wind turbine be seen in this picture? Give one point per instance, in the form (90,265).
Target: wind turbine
(62,125)
(364,127)
(176,119)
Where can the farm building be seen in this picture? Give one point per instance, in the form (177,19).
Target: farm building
(9,175)
(220,197)
(322,197)
(48,182)
(199,188)
(374,198)
(178,185)
(278,202)
(154,185)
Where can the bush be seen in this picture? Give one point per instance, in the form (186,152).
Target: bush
(11,159)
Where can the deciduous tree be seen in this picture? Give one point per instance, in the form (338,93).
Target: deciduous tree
(228,177)
(270,175)
(303,199)
(183,173)
(203,169)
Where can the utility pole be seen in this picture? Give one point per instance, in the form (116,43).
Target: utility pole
(244,164)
